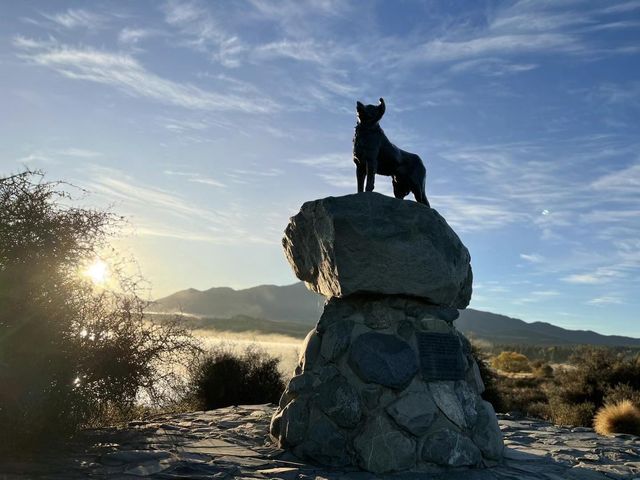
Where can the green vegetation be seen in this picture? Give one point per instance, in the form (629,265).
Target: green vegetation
(554,353)
(512,362)
(594,373)
(570,394)
(221,378)
(71,354)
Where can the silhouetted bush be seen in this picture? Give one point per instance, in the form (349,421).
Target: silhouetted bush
(621,417)
(512,362)
(223,378)
(71,354)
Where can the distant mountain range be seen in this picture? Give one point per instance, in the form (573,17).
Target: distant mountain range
(291,303)
(292,309)
(500,329)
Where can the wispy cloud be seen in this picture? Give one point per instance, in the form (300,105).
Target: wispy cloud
(207,181)
(536,296)
(328,161)
(257,171)
(299,17)
(56,156)
(605,300)
(205,32)
(132,36)
(492,67)
(237,176)
(514,31)
(545,293)
(36,158)
(624,181)
(523,178)
(228,42)
(118,186)
(339,180)
(306,51)
(125,73)
(77,18)
(181,126)
(79,152)
(471,213)
(600,275)
(448,51)
(152,207)
(335,169)
(532,257)
(196,178)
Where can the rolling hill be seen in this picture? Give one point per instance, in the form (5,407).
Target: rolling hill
(294,309)
(496,328)
(290,303)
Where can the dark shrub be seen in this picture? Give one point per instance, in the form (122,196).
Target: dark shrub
(489,377)
(222,378)
(581,388)
(568,395)
(71,354)
(571,414)
(523,395)
(621,392)
(541,369)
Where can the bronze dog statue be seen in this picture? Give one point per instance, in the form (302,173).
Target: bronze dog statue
(374,153)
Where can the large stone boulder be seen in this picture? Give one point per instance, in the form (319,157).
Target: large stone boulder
(371,243)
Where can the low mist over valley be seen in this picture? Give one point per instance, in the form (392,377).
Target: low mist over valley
(292,311)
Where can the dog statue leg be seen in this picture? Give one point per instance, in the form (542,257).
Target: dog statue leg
(372,168)
(361,173)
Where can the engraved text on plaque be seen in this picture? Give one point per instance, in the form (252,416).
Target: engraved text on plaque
(440,356)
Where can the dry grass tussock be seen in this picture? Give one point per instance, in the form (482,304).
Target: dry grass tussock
(621,417)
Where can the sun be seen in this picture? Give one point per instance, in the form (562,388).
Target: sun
(98,271)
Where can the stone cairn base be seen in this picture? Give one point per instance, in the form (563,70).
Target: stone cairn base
(358,396)
(385,381)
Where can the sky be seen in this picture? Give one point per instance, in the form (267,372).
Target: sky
(208,124)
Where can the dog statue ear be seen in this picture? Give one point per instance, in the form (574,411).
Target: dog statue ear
(381,110)
(359,106)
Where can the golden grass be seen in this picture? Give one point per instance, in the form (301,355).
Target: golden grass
(621,417)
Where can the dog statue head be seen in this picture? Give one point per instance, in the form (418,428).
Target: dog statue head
(369,115)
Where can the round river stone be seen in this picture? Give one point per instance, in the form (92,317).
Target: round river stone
(383,359)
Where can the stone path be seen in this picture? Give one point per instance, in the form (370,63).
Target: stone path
(232,443)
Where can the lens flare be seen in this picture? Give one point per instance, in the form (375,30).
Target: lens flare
(98,272)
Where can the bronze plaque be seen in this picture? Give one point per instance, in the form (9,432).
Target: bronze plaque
(440,356)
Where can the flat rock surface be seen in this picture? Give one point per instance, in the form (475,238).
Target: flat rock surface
(233,443)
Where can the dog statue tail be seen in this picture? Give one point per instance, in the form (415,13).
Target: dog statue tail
(423,193)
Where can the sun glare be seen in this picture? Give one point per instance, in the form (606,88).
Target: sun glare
(98,272)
